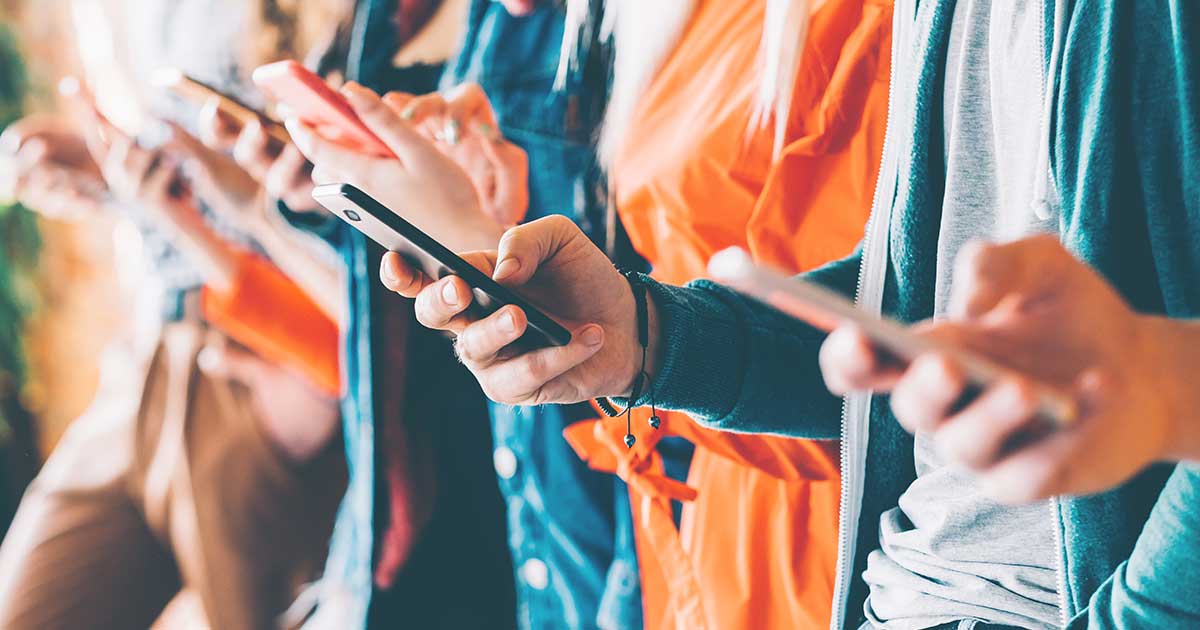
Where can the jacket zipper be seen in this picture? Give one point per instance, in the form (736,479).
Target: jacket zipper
(1042,186)
(856,434)
(1059,564)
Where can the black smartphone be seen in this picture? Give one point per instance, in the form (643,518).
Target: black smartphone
(382,225)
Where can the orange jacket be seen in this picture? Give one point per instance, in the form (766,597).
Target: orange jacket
(265,311)
(757,545)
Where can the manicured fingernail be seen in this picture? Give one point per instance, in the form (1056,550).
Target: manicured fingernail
(508,323)
(592,337)
(506,268)
(453,132)
(408,113)
(450,294)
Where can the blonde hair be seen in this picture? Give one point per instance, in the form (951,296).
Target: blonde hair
(290,29)
(644,32)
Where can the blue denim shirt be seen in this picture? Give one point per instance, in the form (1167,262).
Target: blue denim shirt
(569,528)
(454,555)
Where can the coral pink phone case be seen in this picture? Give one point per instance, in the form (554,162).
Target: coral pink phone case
(319,106)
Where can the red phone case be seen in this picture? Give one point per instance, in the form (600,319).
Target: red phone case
(319,106)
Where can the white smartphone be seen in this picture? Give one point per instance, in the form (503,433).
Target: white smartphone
(826,310)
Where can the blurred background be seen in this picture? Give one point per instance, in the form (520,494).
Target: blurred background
(59,297)
(69,288)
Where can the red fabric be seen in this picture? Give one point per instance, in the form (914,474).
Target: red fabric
(407,457)
(412,15)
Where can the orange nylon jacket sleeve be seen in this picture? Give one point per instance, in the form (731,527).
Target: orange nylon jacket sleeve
(270,314)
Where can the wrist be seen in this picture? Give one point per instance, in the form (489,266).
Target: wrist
(643,350)
(654,347)
(1176,348)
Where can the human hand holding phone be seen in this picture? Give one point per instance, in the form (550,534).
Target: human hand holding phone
(552,263)
(279,167)
(1033,307)
(432,191)
(49,168)
(463,125)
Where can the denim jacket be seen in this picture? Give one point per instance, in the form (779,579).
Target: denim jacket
(569,529)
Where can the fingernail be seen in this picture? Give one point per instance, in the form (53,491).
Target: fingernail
(450,294)
(592,337)
(453,132)
(389,278)
(508,323)
(506,268)
(408,113)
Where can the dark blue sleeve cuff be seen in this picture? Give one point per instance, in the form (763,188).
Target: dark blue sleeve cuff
(321,224)
(736,364)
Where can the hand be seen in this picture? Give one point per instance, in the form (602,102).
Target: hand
(296,417)
(463,126)
(217,179)
(1031,306)
(281,170)
(151,179)
(553,264)
(423,185)
(54,172)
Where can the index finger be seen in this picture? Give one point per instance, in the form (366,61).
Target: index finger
(329,159)
(401,277)
(384,122)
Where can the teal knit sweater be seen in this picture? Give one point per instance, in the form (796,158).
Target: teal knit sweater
(1125,159)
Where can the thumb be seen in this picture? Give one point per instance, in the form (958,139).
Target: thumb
(524,248)
(986,273)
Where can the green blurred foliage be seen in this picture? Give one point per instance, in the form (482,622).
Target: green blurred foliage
(19,240)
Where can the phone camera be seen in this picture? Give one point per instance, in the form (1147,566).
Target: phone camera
(352,215)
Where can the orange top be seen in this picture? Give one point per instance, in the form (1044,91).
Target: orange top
(268,313)
(758,542)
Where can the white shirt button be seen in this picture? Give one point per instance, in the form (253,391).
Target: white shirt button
(505,462)
(1041,209)
(535,573)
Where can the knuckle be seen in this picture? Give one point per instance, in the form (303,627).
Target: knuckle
(499,392)
(468,346)
(537,367)
(559,221)
(427,311)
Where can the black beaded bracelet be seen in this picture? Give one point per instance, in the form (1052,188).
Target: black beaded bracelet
(641,382)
